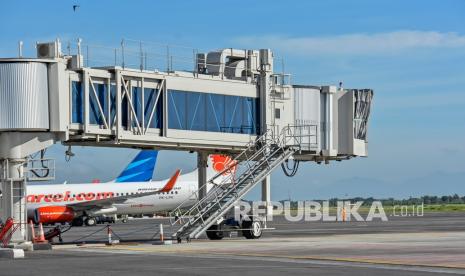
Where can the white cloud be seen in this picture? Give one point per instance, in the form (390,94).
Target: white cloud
(358,43)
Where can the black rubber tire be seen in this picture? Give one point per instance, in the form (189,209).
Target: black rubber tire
(215,233)
(77,222)
(252,229)
(90,221)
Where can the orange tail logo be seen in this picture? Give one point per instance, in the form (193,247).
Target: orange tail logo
(221,162)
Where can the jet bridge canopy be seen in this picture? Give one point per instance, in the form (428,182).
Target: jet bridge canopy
(231,97)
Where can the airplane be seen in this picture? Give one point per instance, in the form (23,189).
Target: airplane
(132,192)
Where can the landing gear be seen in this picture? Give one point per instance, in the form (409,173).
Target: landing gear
(91,221)
(79,221)
(215,232)
(251,229)
(124,218)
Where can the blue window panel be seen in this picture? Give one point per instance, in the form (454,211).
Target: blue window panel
(77,96)
(124,112)
(137,104)
(112,104)
(257,116)
(196,117)
(248,115)
(158,112)
(150,95)
(215,112)
(233,111)
(253,115)
(149,101)
(177,109)
(95,117)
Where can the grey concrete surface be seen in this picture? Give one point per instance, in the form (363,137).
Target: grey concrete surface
(59,262)
(144,229)
(432,244)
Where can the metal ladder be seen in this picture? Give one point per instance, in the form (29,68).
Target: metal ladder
(240,175)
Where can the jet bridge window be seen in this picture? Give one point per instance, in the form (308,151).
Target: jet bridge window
(362,106)
(212,112)
(104,101)
(95,116)
(149,98)
(77,95)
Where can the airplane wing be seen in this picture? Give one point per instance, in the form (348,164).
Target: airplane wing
(105,202)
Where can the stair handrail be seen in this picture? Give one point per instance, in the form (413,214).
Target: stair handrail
(228,171)
(289,138)
(206,221)
(264,142)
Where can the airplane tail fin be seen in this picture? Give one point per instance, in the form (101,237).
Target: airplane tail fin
(140,169)
(219,162)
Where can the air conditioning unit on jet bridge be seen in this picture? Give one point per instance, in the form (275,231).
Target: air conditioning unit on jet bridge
(49,49)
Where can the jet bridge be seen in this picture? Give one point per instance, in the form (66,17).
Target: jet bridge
(232,102)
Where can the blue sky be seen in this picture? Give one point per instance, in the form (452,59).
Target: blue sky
(412,53)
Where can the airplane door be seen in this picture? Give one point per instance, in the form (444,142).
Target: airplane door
(278,120)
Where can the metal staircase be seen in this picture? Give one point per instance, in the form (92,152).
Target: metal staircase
(239,176)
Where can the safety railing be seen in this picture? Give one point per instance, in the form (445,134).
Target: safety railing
(154,56)
(221,179)
(305,137)
(7,230)
(281,85)
(243,165)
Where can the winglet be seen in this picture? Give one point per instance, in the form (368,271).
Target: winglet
(170,184)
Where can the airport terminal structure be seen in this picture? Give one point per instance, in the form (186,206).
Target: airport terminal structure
(233,102)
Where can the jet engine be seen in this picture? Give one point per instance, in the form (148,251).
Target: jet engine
(54,214)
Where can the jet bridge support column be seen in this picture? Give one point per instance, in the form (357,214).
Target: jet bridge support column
(14,192)
(13,185)
(14,148)
(202,163)
(266,197)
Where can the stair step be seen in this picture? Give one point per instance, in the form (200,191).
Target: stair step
(223,199)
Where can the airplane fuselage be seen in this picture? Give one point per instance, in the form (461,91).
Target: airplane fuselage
(67,194)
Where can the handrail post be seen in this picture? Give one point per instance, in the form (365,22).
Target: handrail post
(122,52)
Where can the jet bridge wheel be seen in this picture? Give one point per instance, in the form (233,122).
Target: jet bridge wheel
(214,232)
(251,229)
